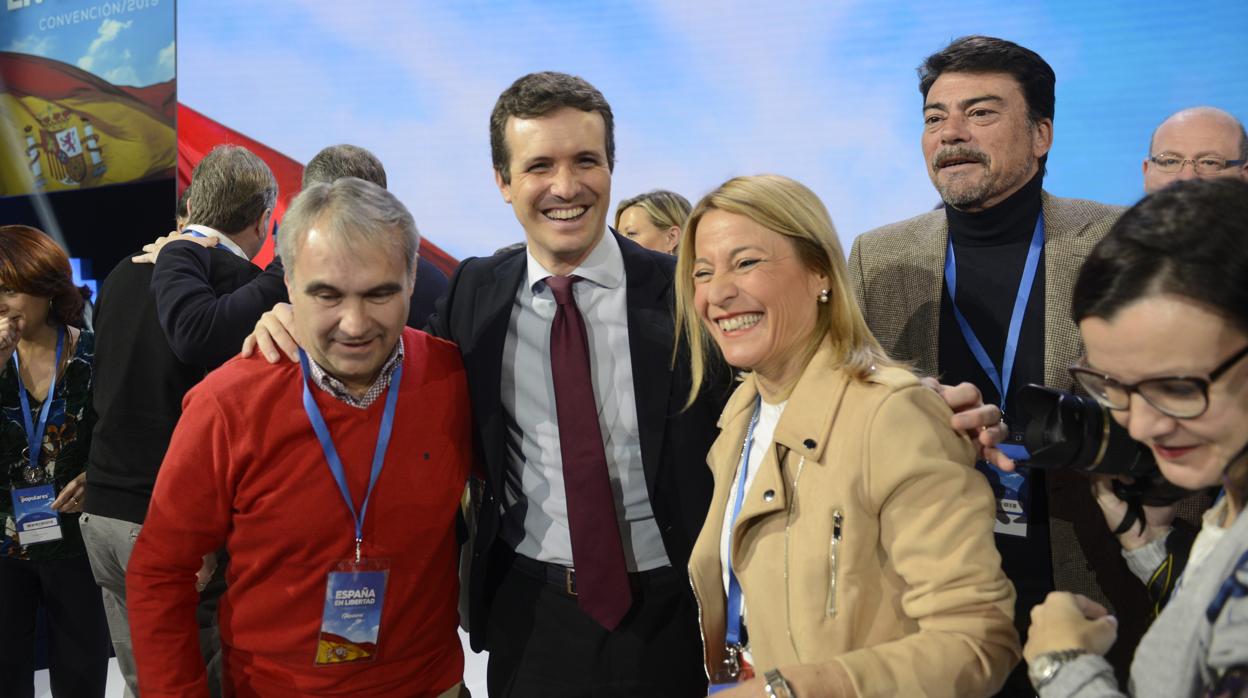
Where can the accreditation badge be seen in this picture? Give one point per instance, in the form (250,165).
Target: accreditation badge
(1011,491)
(35,519)
(351,622)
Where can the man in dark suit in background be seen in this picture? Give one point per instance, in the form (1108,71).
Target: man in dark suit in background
(209,327)
(140,380)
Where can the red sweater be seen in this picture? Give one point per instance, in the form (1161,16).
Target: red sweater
(246,471)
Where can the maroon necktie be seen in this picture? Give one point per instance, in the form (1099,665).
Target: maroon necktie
(597,553)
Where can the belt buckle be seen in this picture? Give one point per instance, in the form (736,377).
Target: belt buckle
(569,580)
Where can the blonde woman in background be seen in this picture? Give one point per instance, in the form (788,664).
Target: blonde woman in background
(653,220)
(845,510)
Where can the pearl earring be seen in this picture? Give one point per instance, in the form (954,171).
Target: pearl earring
(823,296)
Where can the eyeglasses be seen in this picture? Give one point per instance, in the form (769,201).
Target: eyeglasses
(1181,397)
(1204,165)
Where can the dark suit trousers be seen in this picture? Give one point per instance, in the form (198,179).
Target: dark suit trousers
(542,644)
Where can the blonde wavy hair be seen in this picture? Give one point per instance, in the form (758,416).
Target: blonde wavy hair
(788,208)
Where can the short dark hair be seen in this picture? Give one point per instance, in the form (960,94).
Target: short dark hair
(536,95)
(1189,239)
(231,188)
(338,161)
(987,54)
(32,263)
(179,209)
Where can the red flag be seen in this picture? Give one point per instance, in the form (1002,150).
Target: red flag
(198,134)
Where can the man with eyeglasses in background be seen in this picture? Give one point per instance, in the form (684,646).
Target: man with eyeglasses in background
(1196,142)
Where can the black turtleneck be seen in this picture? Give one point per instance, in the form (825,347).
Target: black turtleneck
(990,247)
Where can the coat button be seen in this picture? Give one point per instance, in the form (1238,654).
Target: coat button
(769,495)
(809,443)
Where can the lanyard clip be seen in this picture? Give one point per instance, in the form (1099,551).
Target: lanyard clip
(357,549)
(732,663)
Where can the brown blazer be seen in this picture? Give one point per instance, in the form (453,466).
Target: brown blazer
(909,598)
(897,275)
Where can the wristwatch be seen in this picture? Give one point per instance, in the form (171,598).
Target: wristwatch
(1044,668)
(776,686)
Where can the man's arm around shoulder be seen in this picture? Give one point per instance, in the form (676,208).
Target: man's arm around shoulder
(205,327)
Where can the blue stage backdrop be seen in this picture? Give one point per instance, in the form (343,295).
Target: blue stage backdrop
(821,91)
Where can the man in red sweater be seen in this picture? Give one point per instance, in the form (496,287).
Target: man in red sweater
(340,529)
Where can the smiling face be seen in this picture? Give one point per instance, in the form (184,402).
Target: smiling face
(755,297)
(349,306)
(560,184)
(23,310)
(978,142)
(1169,335)
(637,225)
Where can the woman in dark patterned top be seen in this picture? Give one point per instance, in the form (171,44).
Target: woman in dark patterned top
(46,359)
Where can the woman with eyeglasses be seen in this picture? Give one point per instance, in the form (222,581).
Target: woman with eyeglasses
(1162,303)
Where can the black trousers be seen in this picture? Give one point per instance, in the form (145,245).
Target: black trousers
(78,643)
(542,644)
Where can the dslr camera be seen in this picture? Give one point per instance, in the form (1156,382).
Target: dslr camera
(1065,431)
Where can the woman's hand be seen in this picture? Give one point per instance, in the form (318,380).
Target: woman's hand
(1069,621)
(274,335)
(1157,520)
(70,500)
(10,335)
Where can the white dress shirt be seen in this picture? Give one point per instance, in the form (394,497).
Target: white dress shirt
(537,521)
(221,237)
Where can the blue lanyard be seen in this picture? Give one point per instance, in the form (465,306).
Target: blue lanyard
(733,636)
(1000,378)
(331,453)
(194,233)
(34,432)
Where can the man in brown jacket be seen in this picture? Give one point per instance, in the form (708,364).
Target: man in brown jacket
(980,292)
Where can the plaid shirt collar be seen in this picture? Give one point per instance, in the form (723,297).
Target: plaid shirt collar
(334,387)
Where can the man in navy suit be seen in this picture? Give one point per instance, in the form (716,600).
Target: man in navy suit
(552,141)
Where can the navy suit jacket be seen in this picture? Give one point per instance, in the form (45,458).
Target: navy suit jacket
(475,314)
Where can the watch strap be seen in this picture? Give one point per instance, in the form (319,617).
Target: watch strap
(1045,667)
(777,686)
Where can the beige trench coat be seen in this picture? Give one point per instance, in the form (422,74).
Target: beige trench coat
(865,539)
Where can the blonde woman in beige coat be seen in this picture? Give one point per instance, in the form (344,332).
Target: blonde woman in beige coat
(862,546)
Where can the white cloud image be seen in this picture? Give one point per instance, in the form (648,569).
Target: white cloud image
(165,63)
(99,52)
(33,45)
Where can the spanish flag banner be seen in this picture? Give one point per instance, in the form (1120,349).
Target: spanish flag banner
(65,128)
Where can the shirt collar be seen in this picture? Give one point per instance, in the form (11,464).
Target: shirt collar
(604,266)
(335,387)
(224,241)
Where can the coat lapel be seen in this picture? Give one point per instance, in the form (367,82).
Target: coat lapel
(1065,247)
(650,337)
(482,348)
(924,289)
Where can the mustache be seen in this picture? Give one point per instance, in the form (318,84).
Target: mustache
(959,153)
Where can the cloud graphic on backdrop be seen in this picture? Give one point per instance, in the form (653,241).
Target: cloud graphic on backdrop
(103,58)
(34,45)
(165,63)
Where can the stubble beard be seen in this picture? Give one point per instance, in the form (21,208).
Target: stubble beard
(963,195)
